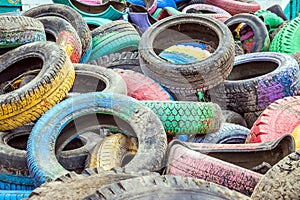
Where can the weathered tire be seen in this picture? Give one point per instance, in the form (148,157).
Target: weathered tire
(277,9)
(63,33)
(229,116)
(113,151)
(228,134)
(125,112)
(164,187)
(261,35)
(114,37)
(208,9)
(142,87)
(29,102)
(14,194)
(251,117)
(281,181)
(235,7)
(194,77)
(257,80)
(279,118)
(276,31)
(16,31)
(125,60)
(72,17)
(91,78)
(85,184)
(179,117)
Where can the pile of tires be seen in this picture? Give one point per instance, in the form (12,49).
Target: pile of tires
(149,100)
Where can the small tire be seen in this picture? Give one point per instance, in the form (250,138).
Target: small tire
(125,112)
(17,31)
(229,116)
(29,102)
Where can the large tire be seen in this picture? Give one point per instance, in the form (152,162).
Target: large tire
(235,7)
(16,31)
(65,35)
(261,35)
(86,184)
(114,37)
(164,187)
(72,17)
(194,77)
(125,112)
(180,117)
(142,87)
(280,118)
(29,102)
(125,60)
(281,181)
(257,80)
(91,78)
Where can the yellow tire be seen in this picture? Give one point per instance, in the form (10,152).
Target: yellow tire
(296,135)
(54,77)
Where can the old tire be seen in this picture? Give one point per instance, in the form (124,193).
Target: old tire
(164,187)
(29,102)
(229,116)
(16,31)
(123,111)
(261,35)
(64,34)
(72,17)
(257,80)
(194,77)
(281,181)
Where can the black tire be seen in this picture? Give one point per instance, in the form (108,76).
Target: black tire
(21,105)
(14,163)
(125,60)
(277,9)
(184,4)
(62,32)
(251,117)
(228,134)
(164,187)
(68,14)
(194,77)
(257,80)
(17,31)
(92,78)
(114,109)
(229,116)
(281,181)
(261,35)
(85,184)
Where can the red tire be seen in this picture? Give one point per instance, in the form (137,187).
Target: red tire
(235,7)
(280,118)
(142,87)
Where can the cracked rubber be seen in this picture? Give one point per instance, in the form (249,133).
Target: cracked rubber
(281,181)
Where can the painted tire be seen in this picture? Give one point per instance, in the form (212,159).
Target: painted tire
(71,16)
(85,184)
(296,135)
(188,78)
(114,37)
(63,34)
(180,117)
(261,35)
(229,116)
(91,78)
(14,194)
(196,8)
(286,40)
(272,122)
(277,9)
(93,22)
(142,87)
(125,60)
(17,31)
(281,181)
(164,187)
(121,109)
(269,76)
(113,151)
(29,102)
(235,7)
(228,134)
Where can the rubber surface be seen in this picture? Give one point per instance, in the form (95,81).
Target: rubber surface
(17,31)
(14,194)
(164,187)
(123,110)
(54,80)
(229,116)
(179,117)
